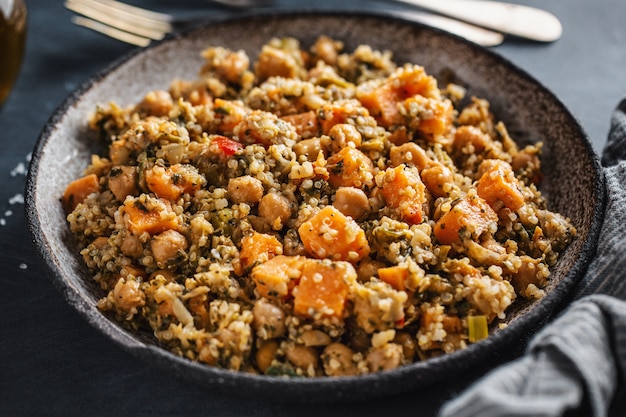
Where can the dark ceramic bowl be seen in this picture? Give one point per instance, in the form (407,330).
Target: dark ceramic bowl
(573,181)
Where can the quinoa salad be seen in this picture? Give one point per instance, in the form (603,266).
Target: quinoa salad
(313,212)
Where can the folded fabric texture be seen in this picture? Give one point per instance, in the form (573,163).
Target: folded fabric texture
(575,366)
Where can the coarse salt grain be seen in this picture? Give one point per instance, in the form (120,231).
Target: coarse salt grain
(16,199)
(20,169)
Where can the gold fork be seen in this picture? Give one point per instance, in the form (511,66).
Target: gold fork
(140,27)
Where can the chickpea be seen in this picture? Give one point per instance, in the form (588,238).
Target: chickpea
(234,65)
(387,357)
(276,62)
(489,165)
(169,276)
(525,159)
(408,345)
(119,153)
(100,242)
(245,189)
(266,354)
(167,245)
(327,50)
(409,154)
(302,357)
(438,179)
(368,268)
(269,319)
(127,295)
(315,338)
(337,360)
(471,135)
(342,134)
(308,149)
(208,355)
(157,103)
(352,202)
(276,209)
(526,274)
(131,246)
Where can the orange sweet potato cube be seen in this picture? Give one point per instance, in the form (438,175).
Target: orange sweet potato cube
(330,234)
(440,114)
(306,123)
(498,186)
(403,189)
(323,289)
(382,103)
(174,181)
(277,277)
(349,168)
(79,189)
(394,276)
(471,214)
(140,219)
(258,247)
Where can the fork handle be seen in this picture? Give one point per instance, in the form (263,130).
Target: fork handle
(513,19)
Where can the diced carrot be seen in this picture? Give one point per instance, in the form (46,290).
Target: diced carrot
(403,189)
(330,234)
(471,214)
(258,247)
(349,168)
(79,189)
(323,289)
(172,182)
(306,124)
(140,219)
(394,276)
(277,277)
(499,186)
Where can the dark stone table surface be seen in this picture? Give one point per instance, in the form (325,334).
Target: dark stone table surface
(52,363)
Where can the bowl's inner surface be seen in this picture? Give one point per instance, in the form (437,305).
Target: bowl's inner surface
(530,112)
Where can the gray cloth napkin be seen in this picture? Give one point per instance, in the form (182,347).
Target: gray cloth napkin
(575,366)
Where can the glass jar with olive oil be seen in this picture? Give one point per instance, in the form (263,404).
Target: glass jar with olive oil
(12,43)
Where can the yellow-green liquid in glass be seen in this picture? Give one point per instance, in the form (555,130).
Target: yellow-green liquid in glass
(12,43)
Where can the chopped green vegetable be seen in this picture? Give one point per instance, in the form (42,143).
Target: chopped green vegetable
(477,326)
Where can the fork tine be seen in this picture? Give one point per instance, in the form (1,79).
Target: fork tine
(134,10)
(111,32)
(111,14)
